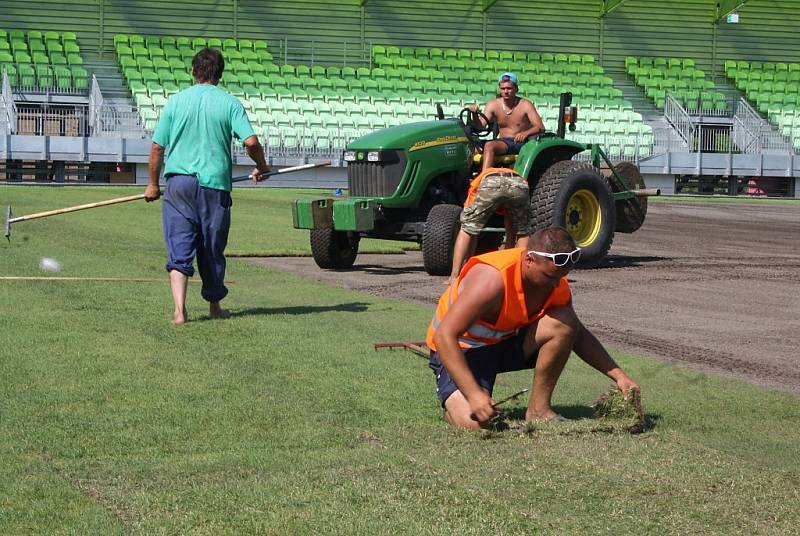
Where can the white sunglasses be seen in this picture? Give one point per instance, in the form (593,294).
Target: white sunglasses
(560,259)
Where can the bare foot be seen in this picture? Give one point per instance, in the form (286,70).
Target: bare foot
(215,311)
(179,317)
(545,416)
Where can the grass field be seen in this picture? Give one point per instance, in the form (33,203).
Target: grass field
(283,420)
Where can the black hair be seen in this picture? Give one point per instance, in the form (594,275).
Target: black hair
(208,65)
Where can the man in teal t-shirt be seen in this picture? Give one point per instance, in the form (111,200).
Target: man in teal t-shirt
(197,126)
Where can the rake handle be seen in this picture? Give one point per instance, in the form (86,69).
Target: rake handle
(114,201)
(285,170)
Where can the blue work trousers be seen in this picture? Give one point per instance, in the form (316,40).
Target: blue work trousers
(196,224)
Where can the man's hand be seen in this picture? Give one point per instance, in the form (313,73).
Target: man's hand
(258,175)
(481,407)
(152,192)
(522,137)
(626,384)
(474,108)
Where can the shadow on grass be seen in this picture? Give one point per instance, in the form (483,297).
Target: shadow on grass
(578,413)
(354,307)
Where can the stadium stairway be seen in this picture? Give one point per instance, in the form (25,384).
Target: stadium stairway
(112,85)
(651,115)
(634,95)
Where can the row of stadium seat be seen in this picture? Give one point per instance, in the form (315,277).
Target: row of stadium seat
(43,76)
(788,122)
(478,54)
(36,60)
(678,77)
(195,43)
(363,99)
(773,89)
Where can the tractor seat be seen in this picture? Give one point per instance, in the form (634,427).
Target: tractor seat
(500,160)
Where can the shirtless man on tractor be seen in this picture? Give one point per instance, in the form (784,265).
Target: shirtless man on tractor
(516,117)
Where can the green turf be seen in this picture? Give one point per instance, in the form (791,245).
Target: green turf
(284,420)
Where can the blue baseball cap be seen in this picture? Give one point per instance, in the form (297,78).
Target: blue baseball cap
(508,77)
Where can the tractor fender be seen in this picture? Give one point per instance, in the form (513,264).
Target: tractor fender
(537,156)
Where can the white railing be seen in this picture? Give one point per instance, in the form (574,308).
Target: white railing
(52,120)
(753,134)
(119,123)
(95,105)
(679,118)
(665,140)
(9,113)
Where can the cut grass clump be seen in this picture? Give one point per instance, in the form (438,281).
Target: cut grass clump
(612,414)
(613,405)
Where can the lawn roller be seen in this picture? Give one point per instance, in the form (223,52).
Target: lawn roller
(9,219)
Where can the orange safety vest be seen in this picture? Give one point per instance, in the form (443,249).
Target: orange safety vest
(476,182)
(513,315)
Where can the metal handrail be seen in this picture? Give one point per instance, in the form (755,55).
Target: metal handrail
(9,106)
(753,134)
(679,118)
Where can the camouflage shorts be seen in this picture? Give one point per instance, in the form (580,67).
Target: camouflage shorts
(499,190)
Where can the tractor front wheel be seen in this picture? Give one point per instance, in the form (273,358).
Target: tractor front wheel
(439,237)
(575,196)
(334,249)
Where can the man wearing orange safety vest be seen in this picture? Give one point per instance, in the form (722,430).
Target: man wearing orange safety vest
(512,310)
(499,190)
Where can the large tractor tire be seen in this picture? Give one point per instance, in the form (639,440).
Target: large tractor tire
(575,196)
(439,237)
(334,249)
(630,212)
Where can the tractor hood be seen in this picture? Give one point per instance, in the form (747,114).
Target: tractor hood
(413,136)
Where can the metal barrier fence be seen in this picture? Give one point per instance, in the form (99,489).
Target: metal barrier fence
(52,120)
(8,114)
(753,134)
(679,118)
(110,122)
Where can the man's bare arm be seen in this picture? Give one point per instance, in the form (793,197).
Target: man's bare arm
(153,191)
(481,296)
(256,152)
(537,126)
(590,350)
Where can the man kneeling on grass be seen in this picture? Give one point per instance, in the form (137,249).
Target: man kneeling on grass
(511,310)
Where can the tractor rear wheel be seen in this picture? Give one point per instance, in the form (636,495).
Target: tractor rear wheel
(334,249)
(575,196)
(439,237)
(630,212)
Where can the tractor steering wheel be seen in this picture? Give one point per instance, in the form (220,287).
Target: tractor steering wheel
(470,120)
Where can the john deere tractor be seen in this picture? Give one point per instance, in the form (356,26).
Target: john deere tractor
(409,183)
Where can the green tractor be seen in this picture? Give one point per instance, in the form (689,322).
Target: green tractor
(410,182)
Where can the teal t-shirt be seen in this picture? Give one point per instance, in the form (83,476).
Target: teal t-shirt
(197,125)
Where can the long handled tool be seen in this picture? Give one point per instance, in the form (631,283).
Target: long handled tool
(10,220)
(285,170)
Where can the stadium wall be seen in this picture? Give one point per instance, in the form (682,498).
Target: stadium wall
(683,28)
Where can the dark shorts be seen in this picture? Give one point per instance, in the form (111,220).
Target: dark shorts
(513,146)
(196,224)
(485,362)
